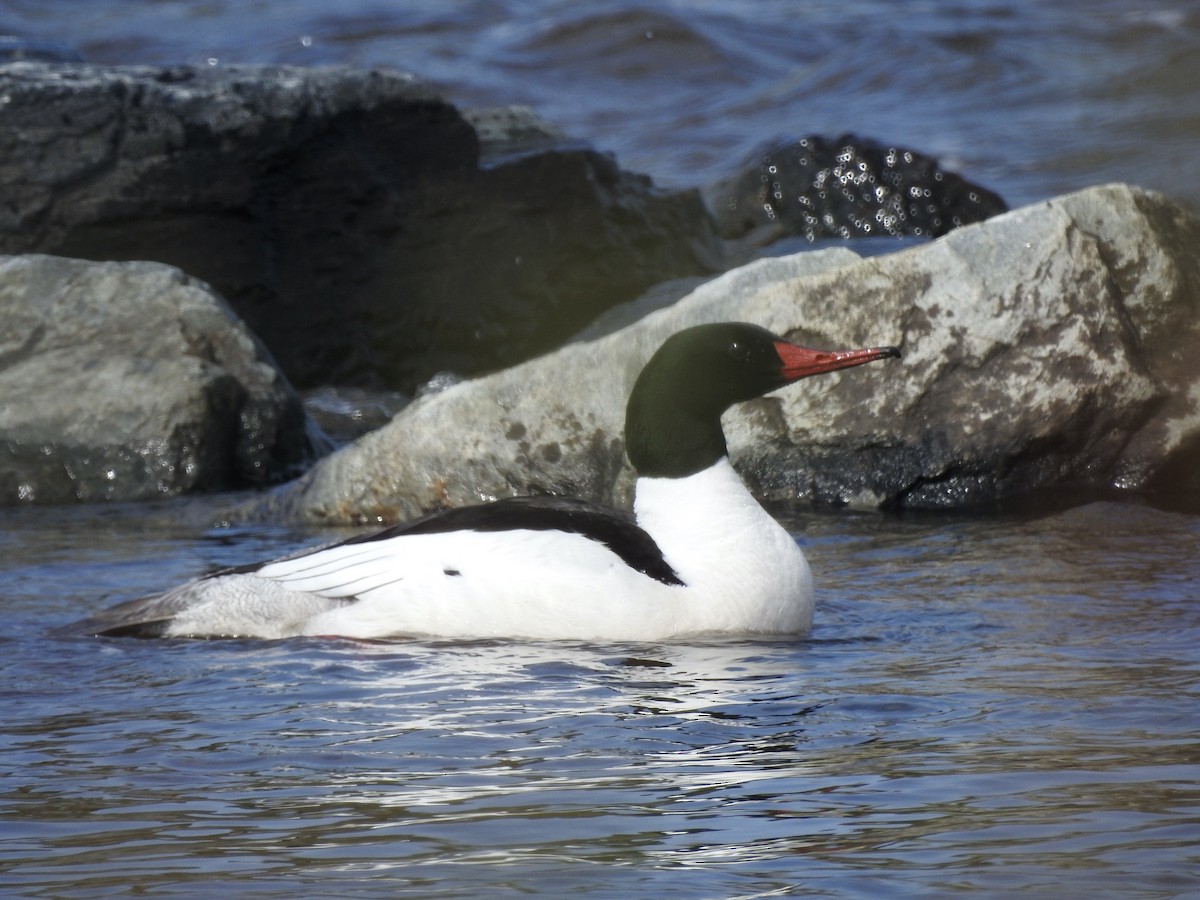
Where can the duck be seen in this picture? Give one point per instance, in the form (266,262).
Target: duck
(697,556)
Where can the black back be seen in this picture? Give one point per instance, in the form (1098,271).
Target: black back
(614,529)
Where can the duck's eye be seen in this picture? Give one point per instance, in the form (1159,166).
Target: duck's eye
(735,348)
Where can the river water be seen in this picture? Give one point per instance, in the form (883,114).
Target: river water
(1030,98)
(1000,704)
(996,703)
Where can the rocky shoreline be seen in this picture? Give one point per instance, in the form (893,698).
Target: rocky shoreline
(1045,348)
(353,229)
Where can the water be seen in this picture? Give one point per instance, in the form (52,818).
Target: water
(1001,703)
(1032,99)
(995,704)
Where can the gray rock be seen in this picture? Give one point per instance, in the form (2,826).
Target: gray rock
(1048,347)
(551,425)
(126,381)
(351,218)
(1053,345)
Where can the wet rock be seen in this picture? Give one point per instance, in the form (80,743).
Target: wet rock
(354,219)
(844,187)
(507,132)
(1050,346)
(127,381)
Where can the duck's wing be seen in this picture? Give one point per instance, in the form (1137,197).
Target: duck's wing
(229,603)
(369,562)
(315,580)
(616,530)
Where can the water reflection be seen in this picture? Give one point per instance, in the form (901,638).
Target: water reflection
(994,704)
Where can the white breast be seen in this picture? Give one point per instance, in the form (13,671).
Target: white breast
(747,573)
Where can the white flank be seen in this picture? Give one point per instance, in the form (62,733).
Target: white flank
(742,574)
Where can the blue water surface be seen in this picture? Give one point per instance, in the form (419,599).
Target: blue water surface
(996,704)
(999,704)
(1032,99)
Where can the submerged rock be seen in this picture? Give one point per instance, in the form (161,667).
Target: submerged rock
(354,219)
(127,381)
(1050,346)
(819,187)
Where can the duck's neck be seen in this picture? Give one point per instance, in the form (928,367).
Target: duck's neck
(673,441)
(701,500)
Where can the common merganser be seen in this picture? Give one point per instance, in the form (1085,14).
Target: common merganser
(699,555)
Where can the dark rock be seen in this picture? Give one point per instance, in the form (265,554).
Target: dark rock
(347,216)
(1050,347)
(507,132)
(846,187)
(576,235)
(127,381)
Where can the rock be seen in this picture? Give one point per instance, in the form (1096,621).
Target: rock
(352,218)
(127,381)
(1053,345)
(507,132)
(845,187)
(1043,348)
(551,425)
